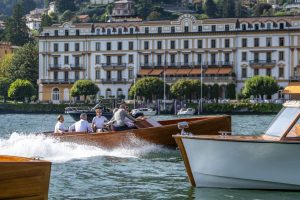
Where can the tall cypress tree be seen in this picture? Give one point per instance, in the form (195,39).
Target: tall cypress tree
(228,9)
(16,30)
(210,8)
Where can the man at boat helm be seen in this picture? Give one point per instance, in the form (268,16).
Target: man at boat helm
(82,125)
(118,119)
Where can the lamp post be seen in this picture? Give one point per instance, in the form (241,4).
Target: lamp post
(165,63)
(201,91)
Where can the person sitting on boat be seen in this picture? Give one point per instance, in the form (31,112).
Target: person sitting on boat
(59,126)
(82,125)
(119,119)
(98,121)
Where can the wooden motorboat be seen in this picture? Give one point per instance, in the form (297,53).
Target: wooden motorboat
(268,161)
(158,133)
(24,178)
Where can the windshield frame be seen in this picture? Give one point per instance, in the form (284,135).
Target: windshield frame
(284,116)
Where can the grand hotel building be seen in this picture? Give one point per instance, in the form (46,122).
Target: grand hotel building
(115,54)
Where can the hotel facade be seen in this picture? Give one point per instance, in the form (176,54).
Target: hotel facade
(114,55)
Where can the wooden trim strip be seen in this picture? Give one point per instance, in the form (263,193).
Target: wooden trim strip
(291,126)
(186,160)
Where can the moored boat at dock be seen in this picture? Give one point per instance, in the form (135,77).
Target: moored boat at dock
(75,112)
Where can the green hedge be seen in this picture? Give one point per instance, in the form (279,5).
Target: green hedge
(32,108)
(241,108)
(207,108)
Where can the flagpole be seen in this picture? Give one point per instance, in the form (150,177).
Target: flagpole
(165,80)
(201,78)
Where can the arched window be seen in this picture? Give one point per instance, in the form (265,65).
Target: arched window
(55,94)
(108,93)
(119,30)
(119,92)
(98,31)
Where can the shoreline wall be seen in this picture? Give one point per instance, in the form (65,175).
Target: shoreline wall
(211,108)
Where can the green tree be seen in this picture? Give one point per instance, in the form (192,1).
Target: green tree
(181,89)
(210,8)
(5,64)
(84,88)
(230,91)
(148,87)
(20,90)
(109,8)
(196,89)
(215,91)
(4,86)
(228,8)
(260,86)
(260,8)
(63,5)
(154,15)
(16,30)
(28,5)
(66,16)
(46,21)
(25,63)
(143,8)
(187,88)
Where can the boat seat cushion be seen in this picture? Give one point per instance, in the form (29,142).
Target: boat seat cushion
(147,123)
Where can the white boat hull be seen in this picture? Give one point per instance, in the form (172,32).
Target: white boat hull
(246,165)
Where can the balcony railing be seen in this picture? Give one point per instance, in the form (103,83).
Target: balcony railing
(57,81)
(54,66)
(206,79)
(76,66)
(188,64)
(218,63)
(262,63)
(295,78)
(115,81)
(113,65)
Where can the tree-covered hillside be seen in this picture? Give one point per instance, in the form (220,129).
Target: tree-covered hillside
(6,6)
(156,9)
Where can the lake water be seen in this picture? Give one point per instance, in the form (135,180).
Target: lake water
(149,172)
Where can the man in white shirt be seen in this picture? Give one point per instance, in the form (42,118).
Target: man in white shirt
(82,125)
(98,121)
(59,126)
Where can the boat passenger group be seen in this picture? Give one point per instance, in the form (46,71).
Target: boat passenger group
(121,120)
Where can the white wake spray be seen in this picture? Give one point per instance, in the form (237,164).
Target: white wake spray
(47,148)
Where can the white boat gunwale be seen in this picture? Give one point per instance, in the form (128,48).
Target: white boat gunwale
(259,139)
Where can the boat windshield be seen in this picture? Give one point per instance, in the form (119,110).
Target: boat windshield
(282,121)
(295,130)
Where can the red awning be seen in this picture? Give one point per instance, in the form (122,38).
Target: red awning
(183,71)
(212,71)
(156,72)
(144,72)
(195,72)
